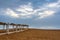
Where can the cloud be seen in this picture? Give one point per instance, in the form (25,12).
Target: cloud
(49,27)
(49,9)
(46,13)
(27,10)
(54,4)
(23,11)
(11,13)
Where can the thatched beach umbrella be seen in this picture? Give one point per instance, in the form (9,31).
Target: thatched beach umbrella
(2,23)
(7,26)
(25,26)
(13,25)
(20,27)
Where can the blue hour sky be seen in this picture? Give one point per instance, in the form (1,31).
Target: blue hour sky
(44,14)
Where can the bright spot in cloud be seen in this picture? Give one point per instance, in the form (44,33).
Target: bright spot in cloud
(27,7)
(52,5)
(11,13)
(46,13)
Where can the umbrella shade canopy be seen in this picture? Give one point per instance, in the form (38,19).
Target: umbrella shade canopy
(13,24)
(2,23)
(24,25)
(19,24)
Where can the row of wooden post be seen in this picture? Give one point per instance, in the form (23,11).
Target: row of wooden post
(19,27)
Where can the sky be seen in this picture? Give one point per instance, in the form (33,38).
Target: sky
(42,14)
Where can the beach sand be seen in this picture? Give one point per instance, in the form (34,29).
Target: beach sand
(33,34)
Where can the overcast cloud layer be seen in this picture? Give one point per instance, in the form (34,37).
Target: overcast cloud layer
(42,14)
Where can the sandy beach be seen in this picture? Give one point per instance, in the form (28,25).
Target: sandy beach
(33,34)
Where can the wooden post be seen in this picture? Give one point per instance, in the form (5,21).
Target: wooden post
(19,28)
(16,28)
(13,28)
(23,27)
(27,27)
(3,27)
(7,28)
